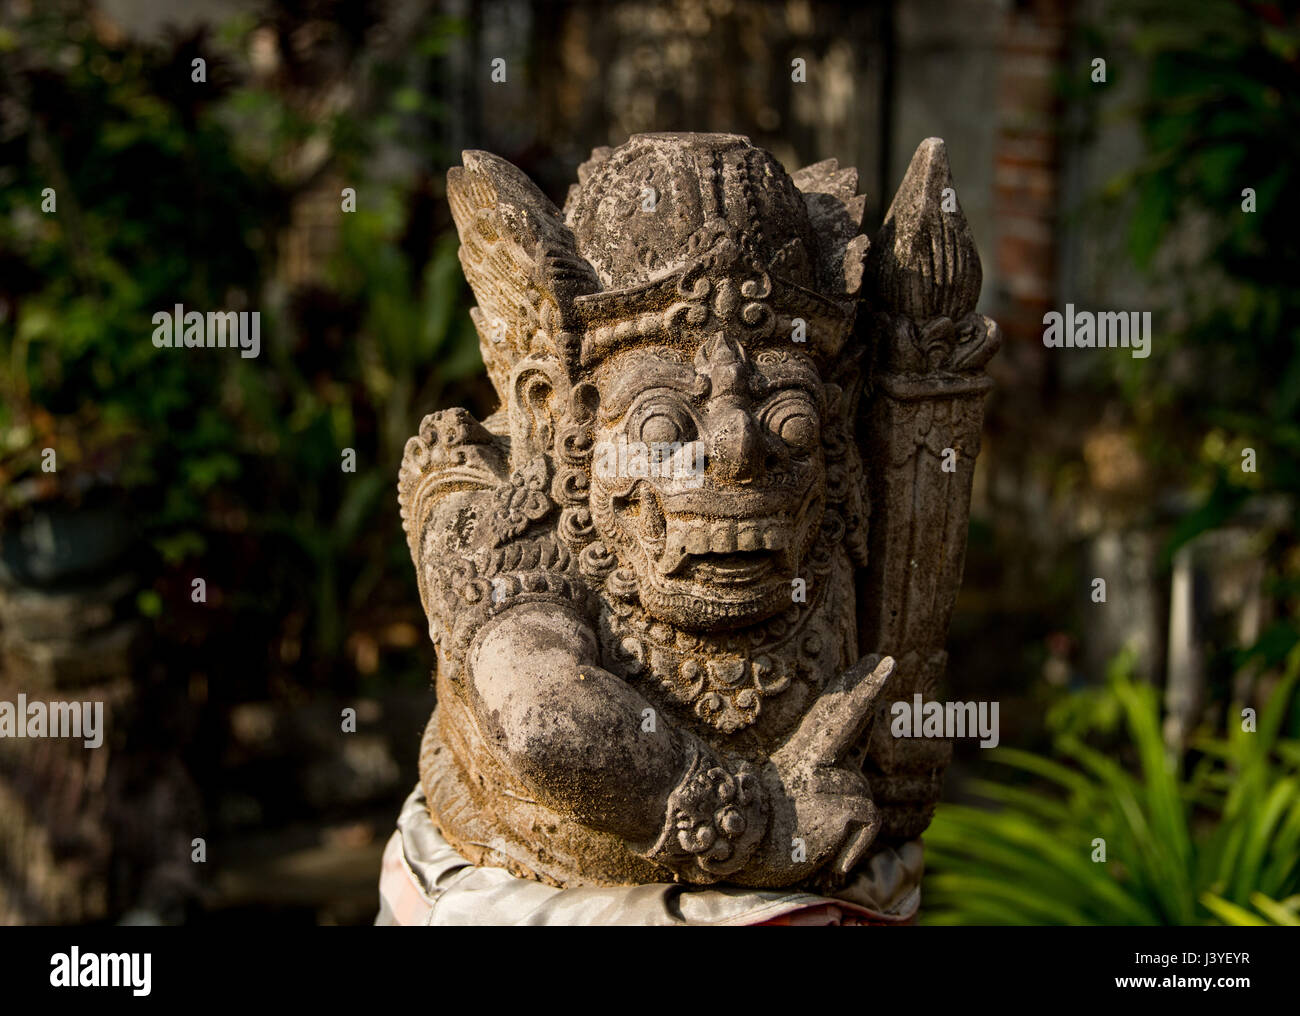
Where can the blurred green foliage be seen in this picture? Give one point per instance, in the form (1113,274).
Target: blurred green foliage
(1220,115)
(1212,836)
(170,190)
(152,209)
(1211,839)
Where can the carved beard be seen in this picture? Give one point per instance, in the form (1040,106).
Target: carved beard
(706,574)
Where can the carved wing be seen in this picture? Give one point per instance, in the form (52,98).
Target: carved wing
(921,434)
(520,260)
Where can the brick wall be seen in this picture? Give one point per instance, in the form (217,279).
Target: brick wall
(1026,170)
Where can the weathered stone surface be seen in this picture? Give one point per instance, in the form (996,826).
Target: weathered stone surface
(670,668)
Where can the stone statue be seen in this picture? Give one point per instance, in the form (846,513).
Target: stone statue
(715,528)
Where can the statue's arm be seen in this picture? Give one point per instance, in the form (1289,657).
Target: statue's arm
(578,737)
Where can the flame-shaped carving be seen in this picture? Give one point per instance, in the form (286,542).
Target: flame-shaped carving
(923,263)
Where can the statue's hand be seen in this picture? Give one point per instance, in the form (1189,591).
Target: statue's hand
(822,812)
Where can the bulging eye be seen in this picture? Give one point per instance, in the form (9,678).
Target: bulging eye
(662,421)
(660,428)
(793,418)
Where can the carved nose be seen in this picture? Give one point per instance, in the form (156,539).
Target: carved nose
(734,446)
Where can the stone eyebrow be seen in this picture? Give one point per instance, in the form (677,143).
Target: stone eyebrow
(799,372)
(791,373)
(640,375)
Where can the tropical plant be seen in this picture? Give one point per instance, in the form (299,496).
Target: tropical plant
(1214,838)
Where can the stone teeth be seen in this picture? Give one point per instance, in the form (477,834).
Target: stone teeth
(685,538)
(675,547)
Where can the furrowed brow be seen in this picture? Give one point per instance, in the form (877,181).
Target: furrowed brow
(633,376)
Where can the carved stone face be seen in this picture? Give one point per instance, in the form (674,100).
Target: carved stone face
(709,476)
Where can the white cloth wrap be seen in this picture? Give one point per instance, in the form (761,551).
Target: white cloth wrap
(426,882)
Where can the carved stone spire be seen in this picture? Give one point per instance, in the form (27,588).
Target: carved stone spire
(923,263)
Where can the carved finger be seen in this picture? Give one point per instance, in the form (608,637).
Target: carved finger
(862,820)
(836,720)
